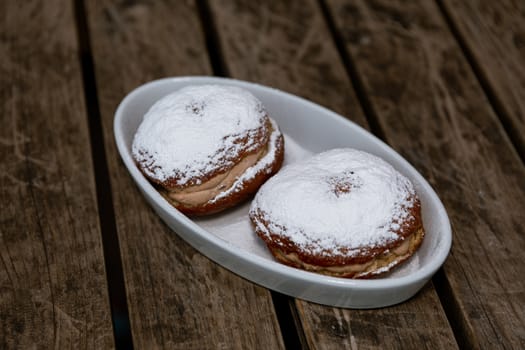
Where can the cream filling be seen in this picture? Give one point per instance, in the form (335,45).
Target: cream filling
(401,252)
(198,194)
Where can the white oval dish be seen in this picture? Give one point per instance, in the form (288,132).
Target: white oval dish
(228,238)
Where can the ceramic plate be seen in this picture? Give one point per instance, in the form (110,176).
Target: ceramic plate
(228,238)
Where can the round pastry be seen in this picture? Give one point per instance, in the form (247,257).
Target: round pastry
(343,213)
(208,147)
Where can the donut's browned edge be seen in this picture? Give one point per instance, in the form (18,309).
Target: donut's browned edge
(248,188)
(278,243)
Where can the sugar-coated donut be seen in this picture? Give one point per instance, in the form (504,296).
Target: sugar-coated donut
(208,147)
(343,213)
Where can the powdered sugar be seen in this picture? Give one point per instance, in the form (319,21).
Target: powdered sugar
(262,165)
(192,131)
(335,202)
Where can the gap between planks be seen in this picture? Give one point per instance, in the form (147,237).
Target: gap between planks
(351,71)
(110,243)
(218,65)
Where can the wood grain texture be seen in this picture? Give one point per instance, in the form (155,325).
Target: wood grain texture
(53,291)
(494,34)
(434,112)
(177,298)
(287,45)
(416,324)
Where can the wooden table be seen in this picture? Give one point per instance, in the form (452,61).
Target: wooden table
(86,263)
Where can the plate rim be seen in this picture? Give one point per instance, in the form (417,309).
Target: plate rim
(422,274)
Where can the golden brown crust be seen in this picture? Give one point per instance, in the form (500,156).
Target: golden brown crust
(375,266)
(374,260)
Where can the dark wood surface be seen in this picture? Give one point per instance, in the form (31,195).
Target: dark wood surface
(493,37)
(53,289)
(86,263)
(434,112)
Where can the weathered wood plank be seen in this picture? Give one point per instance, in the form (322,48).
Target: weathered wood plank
(177,298)
(53,290)
(287,45)
(416,324)
(434,112)
(494,34)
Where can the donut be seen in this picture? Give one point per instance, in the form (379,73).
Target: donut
(342,213)
(206,148)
